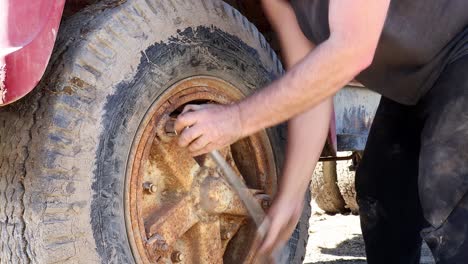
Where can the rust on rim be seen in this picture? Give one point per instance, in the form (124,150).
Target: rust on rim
(180,212)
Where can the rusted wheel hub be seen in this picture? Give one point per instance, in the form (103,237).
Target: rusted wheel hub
(181,212)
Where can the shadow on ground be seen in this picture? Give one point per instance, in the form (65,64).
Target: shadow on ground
(339,261)
(352,247)
(349,251)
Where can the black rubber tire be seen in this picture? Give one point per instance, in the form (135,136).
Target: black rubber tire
(64,148)
(346,185)
(325,190)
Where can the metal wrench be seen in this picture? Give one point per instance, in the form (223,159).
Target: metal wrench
(250,203)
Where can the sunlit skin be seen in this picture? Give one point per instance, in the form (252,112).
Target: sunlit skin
(303,96)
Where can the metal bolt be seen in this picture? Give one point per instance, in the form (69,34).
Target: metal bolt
(226,235)
(169,128)
(149,187)
(177,256)
(265,204)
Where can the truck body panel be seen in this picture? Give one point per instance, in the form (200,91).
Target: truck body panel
(355,109)
(28,30)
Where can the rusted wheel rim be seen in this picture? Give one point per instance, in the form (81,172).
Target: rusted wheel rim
(178,211)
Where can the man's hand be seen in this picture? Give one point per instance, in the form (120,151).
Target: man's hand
(282,219)
(208,127)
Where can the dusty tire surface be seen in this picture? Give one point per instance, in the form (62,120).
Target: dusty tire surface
(346,185)
(64,148)
(325,190)
(297,244)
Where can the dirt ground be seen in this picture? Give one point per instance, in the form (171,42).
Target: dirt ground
(338,240)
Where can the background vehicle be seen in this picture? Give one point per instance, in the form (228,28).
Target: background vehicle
(89,171)
(333,181)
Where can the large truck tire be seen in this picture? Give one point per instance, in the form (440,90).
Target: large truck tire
(346,184)
(324,188)
(89,171)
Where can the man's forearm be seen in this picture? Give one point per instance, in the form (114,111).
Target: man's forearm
(307,131)
(318,76)
(306,137)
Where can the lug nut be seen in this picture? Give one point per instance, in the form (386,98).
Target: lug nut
(226,235)
(265,204)
(177,256)
(149,187)
(169,128)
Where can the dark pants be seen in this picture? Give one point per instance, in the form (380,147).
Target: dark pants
(413,179)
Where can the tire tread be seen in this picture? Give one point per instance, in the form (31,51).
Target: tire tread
(325,190)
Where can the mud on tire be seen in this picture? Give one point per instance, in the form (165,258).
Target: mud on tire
(324,188)
(346,185)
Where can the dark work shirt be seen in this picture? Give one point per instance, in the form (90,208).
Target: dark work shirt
(419,38)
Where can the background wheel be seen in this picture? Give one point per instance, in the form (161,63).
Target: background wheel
(89,174)
(324,188)
(346,171)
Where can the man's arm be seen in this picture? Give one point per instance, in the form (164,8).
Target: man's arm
(306,132)
(355,28)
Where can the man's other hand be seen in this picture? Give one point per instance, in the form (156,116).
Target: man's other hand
(208,127)
(281,221)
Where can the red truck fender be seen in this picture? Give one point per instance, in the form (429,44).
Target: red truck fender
(28,30)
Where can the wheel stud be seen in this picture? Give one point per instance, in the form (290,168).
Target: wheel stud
(149,187)
(226,235)
(177,256)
